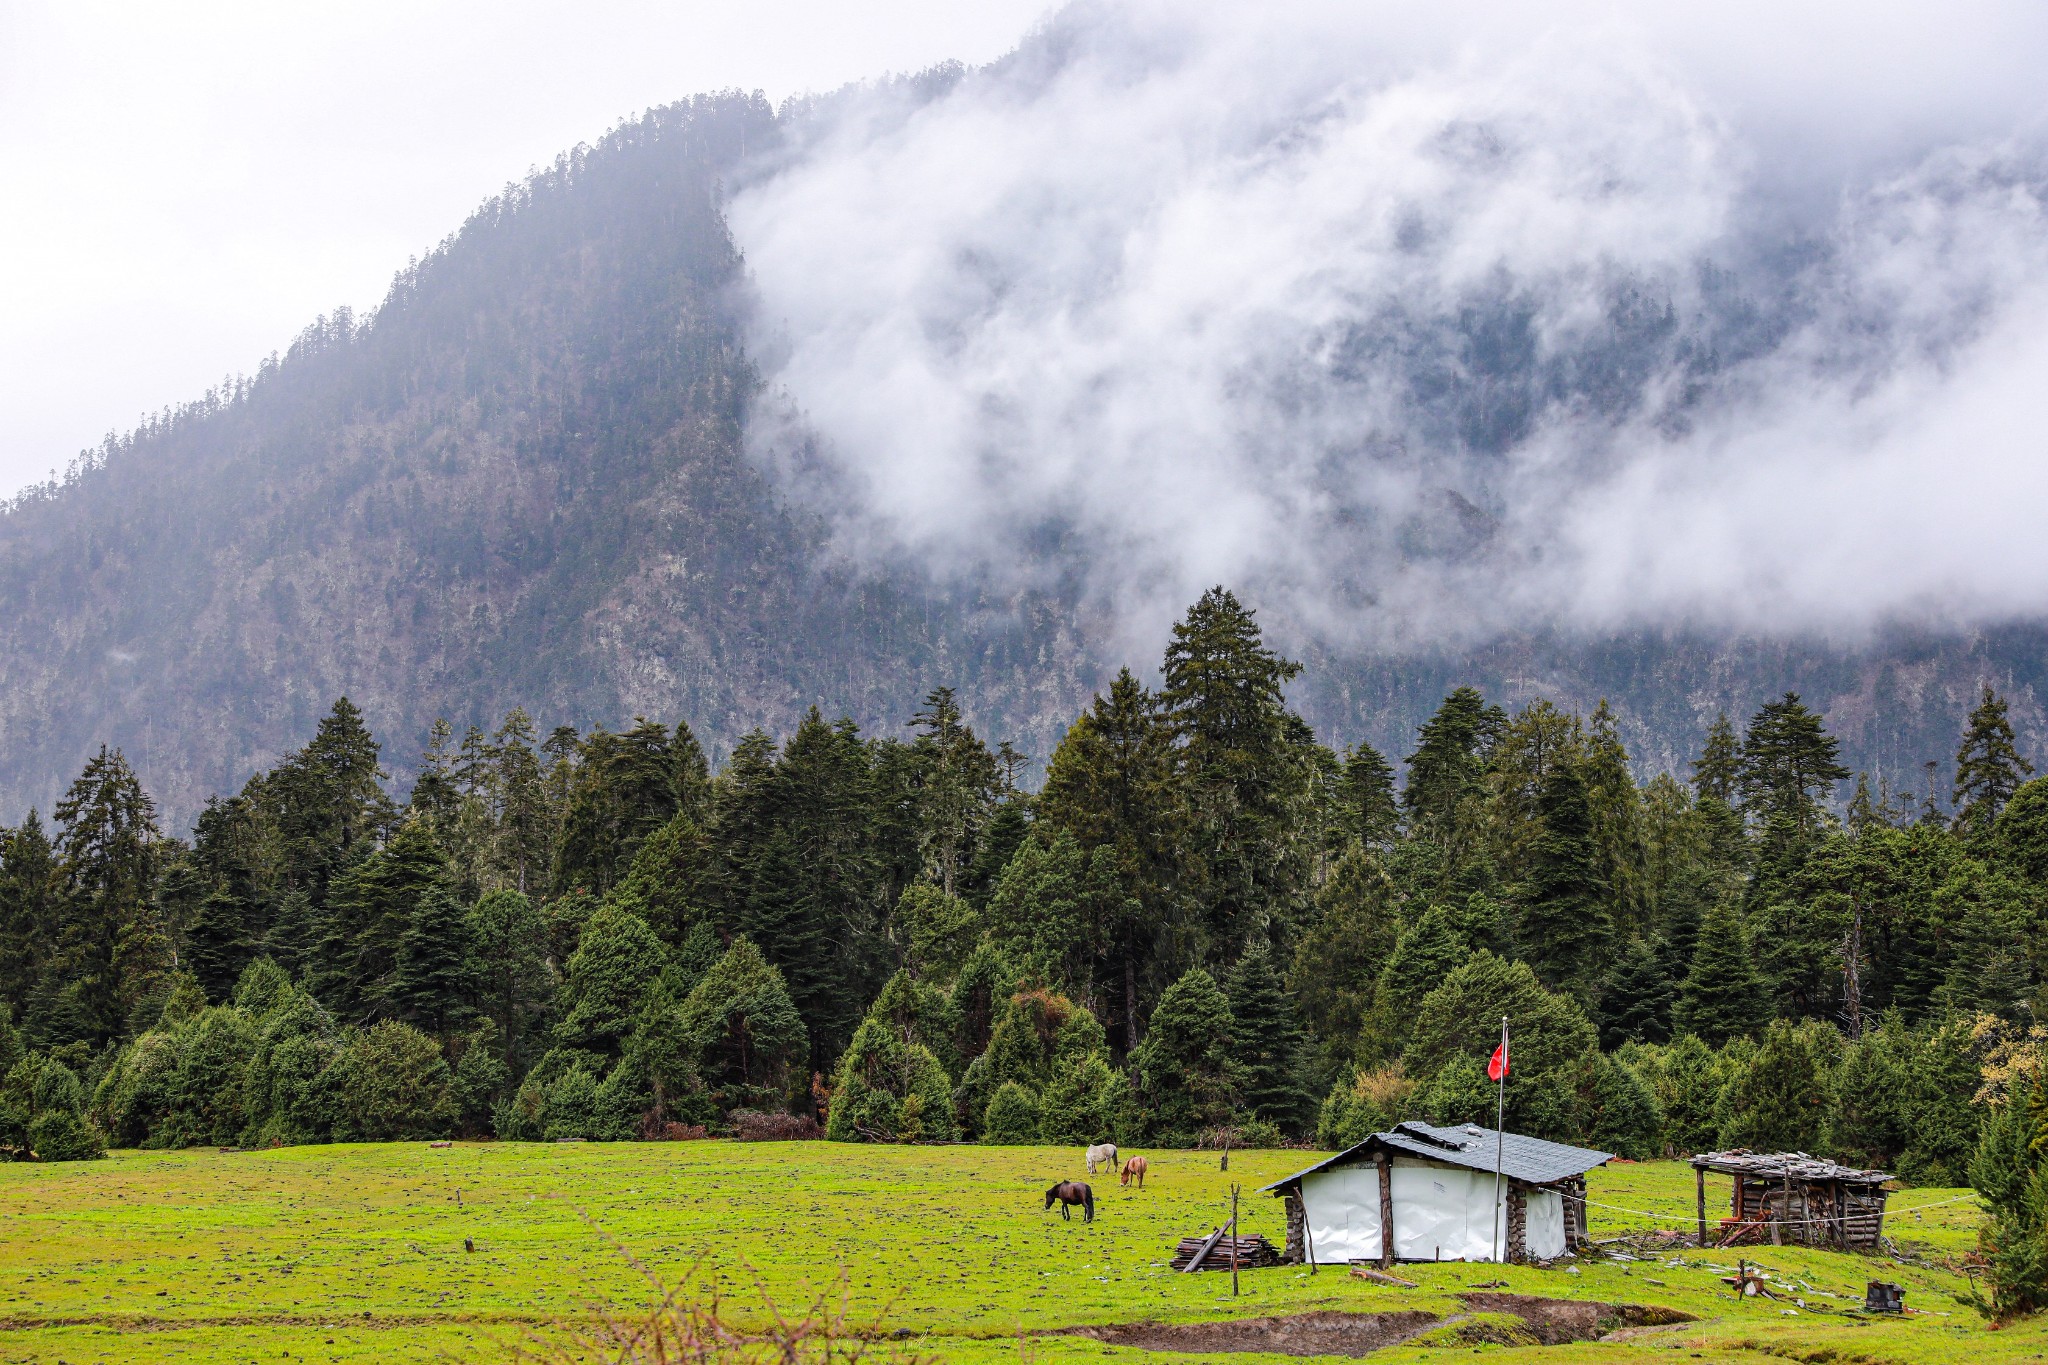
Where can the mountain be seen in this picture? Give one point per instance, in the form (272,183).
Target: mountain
(524,480)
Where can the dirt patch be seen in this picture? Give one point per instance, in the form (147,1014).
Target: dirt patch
(1547,1322)
(1302,1334)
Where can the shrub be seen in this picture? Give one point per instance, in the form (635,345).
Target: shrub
(751,1125)
(1012,1117)
(391,1084)
(44,1108)
(744,1030)
(889,1090)
(1083,1104)
(1186,1073)
(1364,1103)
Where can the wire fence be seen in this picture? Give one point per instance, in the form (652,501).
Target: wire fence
(1693,1218)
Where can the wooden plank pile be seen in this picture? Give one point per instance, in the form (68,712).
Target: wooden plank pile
(1214,1251)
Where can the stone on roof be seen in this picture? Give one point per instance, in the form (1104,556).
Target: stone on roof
(1781,1165)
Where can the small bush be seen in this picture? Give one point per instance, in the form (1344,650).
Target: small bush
(751,1125)
(1012,1117)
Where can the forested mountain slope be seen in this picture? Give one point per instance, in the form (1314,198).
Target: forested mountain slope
(520,479)
(524,481)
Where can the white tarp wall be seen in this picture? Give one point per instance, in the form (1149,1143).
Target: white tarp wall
(1543,1233)
(1441,1213)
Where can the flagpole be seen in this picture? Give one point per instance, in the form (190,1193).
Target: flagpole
(1500,1110)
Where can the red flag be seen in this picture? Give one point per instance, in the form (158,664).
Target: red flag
(1498,1067)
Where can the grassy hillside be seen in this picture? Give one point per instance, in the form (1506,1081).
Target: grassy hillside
(355,1254)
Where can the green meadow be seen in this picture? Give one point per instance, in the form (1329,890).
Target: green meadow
(356,1253)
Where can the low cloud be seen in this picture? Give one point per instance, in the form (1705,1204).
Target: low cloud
(1420,337)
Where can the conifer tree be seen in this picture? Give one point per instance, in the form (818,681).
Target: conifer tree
(31,891)
(218,944)
(606,982)
(2020,834)
(958,785)
(1723,996)
(1186,1073)
(747,1035)
(525,822)
(1342,954)
(1269,1043)
(1241,767)
(1566,924)
(1635,998)
(1718,769)
(109,946)
(431,986)
(1111,784)
(1366,790)
(1426,953)
(1789,765)
(1615,806)
(508,969)
(328,802)
(1989,768)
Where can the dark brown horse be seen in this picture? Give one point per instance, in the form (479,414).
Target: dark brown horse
(1070,1192)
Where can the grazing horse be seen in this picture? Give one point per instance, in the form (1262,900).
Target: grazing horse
(1072,1192)
(1104,1152)
(1135,1167)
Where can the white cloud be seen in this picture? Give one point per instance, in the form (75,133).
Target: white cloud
(1419,323)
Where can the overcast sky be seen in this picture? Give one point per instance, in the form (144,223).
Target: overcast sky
(188,184)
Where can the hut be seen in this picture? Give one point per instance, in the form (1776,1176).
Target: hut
(1790,1198)
(1434,1187)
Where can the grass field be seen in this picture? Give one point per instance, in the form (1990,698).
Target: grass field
(356,1254)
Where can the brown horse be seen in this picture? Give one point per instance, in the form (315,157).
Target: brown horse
(1135,1167)
(1070,1192)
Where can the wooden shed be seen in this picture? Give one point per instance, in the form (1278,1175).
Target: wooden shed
(1423,1193)
(1792,1199)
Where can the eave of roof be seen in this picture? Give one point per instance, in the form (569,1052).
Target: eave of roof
(1532,1161)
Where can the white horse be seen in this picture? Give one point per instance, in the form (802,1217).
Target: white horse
(1104,1152)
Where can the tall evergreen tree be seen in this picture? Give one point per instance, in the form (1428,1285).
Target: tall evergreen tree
(1718,769)
(1242,768)
(1566,926)
(328,802)
(1111,784)
(959,783)
(1636,997)
(218,944)
(110,948)
(1372,813)
(1989,768)
(31,911)
(1186,1072)
(430,986)
(1790,764)
(1270,1046)
(1723,996)
(1446,771)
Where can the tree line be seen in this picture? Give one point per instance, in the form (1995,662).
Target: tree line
(1203,922)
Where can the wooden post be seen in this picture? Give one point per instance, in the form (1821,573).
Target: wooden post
(1784,1210)
(1701,1172)
(1233,1239)
(1386,1210)
(1308,1237)
(1225,1165)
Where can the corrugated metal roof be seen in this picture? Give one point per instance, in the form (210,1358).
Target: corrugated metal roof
(1528,1159)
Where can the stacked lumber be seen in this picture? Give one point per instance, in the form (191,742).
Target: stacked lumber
(1252,1252)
